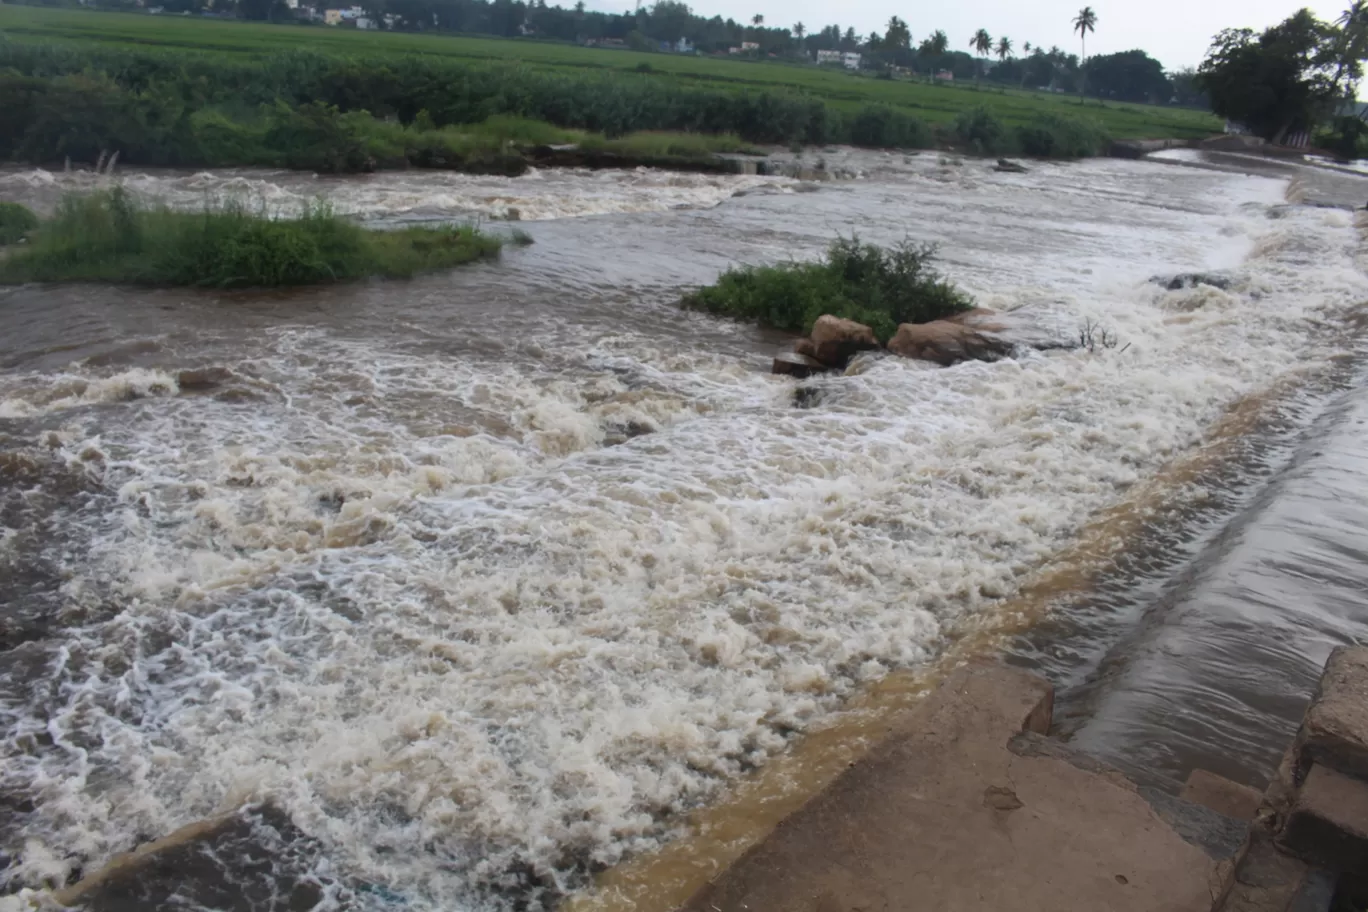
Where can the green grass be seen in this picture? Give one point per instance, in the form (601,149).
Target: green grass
(105,237)
(845,91)
(881,288)
(16,223)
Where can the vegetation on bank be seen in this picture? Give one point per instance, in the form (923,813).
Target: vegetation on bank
(879,287)
(16,223)
(173,65)
(106,237)
(334,115)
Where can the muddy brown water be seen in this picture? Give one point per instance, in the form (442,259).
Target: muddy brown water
(486,581)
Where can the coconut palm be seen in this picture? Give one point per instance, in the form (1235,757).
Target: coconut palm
(757,20)
(982,43)
(1084,22)
(1352,46)
(1004,47)
(799,30)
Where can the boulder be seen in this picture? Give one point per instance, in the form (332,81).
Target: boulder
(946,342)
(1009,167)
(1192,280)
(835,340)
(793,364)
(980,318)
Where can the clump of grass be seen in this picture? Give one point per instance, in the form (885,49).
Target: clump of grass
(16,223)
(880,287)
(1061,136)
(106,237)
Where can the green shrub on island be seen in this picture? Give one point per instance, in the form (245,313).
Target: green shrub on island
(107,237)
(16,223)
(879,287)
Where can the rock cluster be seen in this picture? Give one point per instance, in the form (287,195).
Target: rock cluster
(834,341)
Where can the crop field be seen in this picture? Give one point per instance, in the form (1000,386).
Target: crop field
(932,103)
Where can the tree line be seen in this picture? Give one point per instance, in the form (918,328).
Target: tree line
(1292,78)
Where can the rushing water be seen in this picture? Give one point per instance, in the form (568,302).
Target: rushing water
(482,579)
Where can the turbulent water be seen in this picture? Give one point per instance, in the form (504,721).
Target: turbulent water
(482,579)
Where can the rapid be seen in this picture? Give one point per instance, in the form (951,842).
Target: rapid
(486,579)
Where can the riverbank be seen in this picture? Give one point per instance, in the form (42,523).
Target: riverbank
(107,237)
(307,111)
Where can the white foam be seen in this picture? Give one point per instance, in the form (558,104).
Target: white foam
(536,196)
(416,602)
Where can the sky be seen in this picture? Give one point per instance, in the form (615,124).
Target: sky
(1177,32)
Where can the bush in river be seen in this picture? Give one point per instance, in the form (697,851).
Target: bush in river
(106,237)
(16,223)
(879,287)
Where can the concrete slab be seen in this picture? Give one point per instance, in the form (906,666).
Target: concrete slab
(1328,825)
(1221,795)
(1335,731)
(1268,881)
(966,806)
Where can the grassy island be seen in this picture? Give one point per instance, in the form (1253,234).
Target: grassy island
(107,237)
(879,287)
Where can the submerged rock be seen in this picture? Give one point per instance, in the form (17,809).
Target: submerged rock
(1009,167)
(947,342)
(1193,279)
(835,340)
(793,364)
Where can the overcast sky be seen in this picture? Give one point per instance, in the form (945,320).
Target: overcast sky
(1177,32)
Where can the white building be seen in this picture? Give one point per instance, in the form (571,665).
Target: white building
(851,60)
(829,57)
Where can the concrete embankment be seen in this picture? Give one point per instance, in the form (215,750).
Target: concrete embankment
(967,805)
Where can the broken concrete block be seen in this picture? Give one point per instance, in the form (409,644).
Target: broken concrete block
(1328,825)
(1334,733)
(1221,795)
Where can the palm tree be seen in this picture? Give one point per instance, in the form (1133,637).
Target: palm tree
(1004,47)
(982,43)
(1084,22)
(1353,44)
(799,30)
(757,20)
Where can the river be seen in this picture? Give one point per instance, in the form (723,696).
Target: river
(486,578)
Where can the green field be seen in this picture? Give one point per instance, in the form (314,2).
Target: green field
(932,103)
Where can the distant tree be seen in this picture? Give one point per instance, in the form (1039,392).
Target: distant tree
(757,20)
(898,36)
(799,30)
(1277,82)
(1352,47)
(982,43)
(1186,90)
(1084,22)
(1128,76)
(1004,48)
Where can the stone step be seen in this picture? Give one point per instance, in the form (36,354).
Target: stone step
(1328,823)
(1266,880)
(1334,733)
